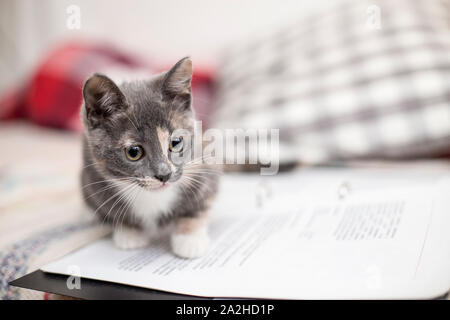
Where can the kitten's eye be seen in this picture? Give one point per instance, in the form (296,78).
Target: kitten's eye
(176,144)
(134,153)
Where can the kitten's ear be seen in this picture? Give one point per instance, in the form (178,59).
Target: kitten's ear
(102,98)
(177,80)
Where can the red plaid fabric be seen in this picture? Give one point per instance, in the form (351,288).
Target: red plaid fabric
(52,97)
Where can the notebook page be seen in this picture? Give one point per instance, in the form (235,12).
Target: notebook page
(277,240)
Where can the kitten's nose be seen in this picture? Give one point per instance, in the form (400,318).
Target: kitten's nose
(163,177)
(163,172)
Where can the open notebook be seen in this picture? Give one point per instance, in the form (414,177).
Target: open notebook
(311,234)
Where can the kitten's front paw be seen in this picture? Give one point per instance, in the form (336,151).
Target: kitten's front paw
(129,238)
(190,245)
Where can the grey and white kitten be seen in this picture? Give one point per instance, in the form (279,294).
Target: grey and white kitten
(130,177)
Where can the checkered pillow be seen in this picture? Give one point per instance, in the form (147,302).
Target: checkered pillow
(368,79)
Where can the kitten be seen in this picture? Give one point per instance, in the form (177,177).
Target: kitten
(130,177)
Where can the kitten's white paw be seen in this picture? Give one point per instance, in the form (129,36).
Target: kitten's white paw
(192,245)
(129,238)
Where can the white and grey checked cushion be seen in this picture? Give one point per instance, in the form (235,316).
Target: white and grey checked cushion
(338,89)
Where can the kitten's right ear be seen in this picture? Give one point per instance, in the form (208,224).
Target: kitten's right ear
(177,80)
(102,98)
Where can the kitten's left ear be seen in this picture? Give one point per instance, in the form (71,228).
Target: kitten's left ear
(177,80)
(102,99)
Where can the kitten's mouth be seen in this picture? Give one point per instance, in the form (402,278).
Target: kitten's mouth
(162,186)
(152,186)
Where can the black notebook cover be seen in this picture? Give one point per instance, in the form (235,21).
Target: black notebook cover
(92,289)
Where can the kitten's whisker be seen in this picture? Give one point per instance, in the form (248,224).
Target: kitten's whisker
(200,169)
(115,203)
(107,215)
(129,202)
(202,161)
(203,175)
(199,164)
(94,163)
(108,187)
(192,191)
(138,193)
(104,181)
(124,194)
(182,189)
(113,196)
(186,185)
(198,183)
(207,175)
(124,207)
(195,188)
(198,179)
(203,157)
(203,170)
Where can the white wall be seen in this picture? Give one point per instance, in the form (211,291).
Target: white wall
(164,30)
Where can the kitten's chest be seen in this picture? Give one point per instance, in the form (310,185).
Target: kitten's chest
(149,206)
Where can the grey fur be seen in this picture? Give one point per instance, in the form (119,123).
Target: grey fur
(134,110)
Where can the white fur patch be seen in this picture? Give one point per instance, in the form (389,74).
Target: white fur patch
(129,238)
(190,245)
(149,205)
